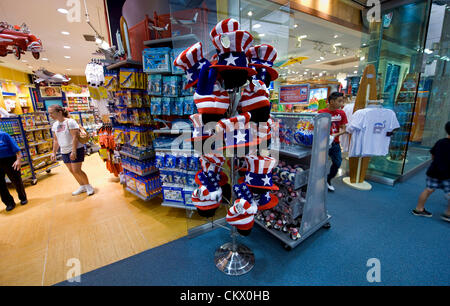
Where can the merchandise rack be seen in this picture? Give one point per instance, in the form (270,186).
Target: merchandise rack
(91,129)
(27,158)
(315,214)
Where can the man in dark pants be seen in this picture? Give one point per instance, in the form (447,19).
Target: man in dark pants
(338,122)
(10,163)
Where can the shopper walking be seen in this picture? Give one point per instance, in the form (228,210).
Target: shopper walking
(66,133)
(10,163)
(338,122)
(438,176)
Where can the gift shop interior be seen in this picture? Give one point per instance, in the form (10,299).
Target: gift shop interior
(205,131)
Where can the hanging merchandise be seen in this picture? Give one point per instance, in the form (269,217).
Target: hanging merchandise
(262,58)
(95,74)
(19,40)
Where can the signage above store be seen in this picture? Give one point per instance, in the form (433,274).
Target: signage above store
(294,94)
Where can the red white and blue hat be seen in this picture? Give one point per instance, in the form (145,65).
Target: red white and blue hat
(232,48)
(212,162)
(266,201)
(202,199)
(215,103)
(255,95)
(259,174)
(227,25)
(263,56)
(242,214)
(237,131)
(191,61)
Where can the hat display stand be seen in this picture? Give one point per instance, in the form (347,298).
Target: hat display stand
(234,258)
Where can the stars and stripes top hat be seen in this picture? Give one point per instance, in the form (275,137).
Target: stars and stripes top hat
(202,201)
(255,95)
(237,131)
(227,25)
(191,61)
(242,214)
(212,162)
(263,56)
(242,192)
(231,47)
(259,174)
(214,59)
(215,103)
(200,131)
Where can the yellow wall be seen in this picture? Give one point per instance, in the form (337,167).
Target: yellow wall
(14,81)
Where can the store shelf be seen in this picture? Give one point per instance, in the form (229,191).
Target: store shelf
(174,150)
(182,38)
(144,157)
(42,156)
(296,151)
(140,173)
(31,144)
(284,237)
(124,63)
(167,131)
(38,129)
(140,195)
(42,170)
(177,205)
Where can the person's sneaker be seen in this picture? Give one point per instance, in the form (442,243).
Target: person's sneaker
(79,191)
(10,207)
(423,213)
(89,190)
(330,187)
(445,217)
(24,202)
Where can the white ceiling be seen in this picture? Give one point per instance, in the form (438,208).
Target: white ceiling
(44,21)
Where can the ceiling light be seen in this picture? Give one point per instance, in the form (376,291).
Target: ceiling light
(362,58)
(428,51)
(66,47)
(295,25)
(65,33)
(68,69)
(256,26)
(318,60)
(45,59)
(336,36)
(322,58)
(338,44)
(250,13)
(355,66)
(25,61)
(355,71)
(305,72)
(306,69)
(62,11)
(66,56)
(262,35)
(302,36)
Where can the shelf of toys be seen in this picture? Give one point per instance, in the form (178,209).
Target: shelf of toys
(32,133)
(15,98)
(130,136)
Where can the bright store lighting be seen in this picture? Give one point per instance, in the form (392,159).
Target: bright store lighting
(302,36)
(68,69)
(338,44)
(318,60)
(295,25)
(66,47)
(428,51)
(65,33)
(355,71)
(66,56)
(256,26)
(262,35)
(250,13)
(25,61)
(62,11)
(362,58)
(336,36)
(45,59)
(322,58)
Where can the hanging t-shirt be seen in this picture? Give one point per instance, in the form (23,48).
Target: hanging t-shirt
(373,123)
(338,118)
(345,139)
(62,133)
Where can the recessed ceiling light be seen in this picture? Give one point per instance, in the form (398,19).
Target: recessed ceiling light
(355,66)
(362,58)
(68,69)
(355,71)
(66,56)
(25,61)
(45,59)
(66,47)
(338,44)
(336,36)
(318,60)
(62,11)
(256,26)
(305,72)
(250,13)
(295,25)
(65,33)
(302,36)
(322,58)
(262,35)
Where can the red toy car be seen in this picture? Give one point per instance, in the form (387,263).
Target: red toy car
(19,39)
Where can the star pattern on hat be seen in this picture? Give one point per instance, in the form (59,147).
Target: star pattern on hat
(195,133)
(266,180)
(200,66)
(231,60)
(189,76)
(240,137)
(268,196)
(248,179)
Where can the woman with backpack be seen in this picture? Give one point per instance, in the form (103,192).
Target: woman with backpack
(67,137)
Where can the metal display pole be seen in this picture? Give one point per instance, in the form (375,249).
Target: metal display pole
(233,258)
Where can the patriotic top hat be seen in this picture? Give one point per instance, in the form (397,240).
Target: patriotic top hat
(242,214)
(227,25)
(259,174)
(191,61)
(266,200)
(214,59)
(242,192)
(215,103)
(203,202)
(211,165)
(237,131)
(232,47)
(255,95)
(263,56)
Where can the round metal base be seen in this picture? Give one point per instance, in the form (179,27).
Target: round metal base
(234,263)
(360,186)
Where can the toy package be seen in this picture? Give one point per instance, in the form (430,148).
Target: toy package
(178,106)
(193,162)
(128,78)
(175,52)
(156,108)
(170,161)
(166,106)
(171,86)
(111,81)
(186,92)
(156,60)
(189,105)
(155,84)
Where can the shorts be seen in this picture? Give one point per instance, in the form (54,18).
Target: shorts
(79,159)
(433,183)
